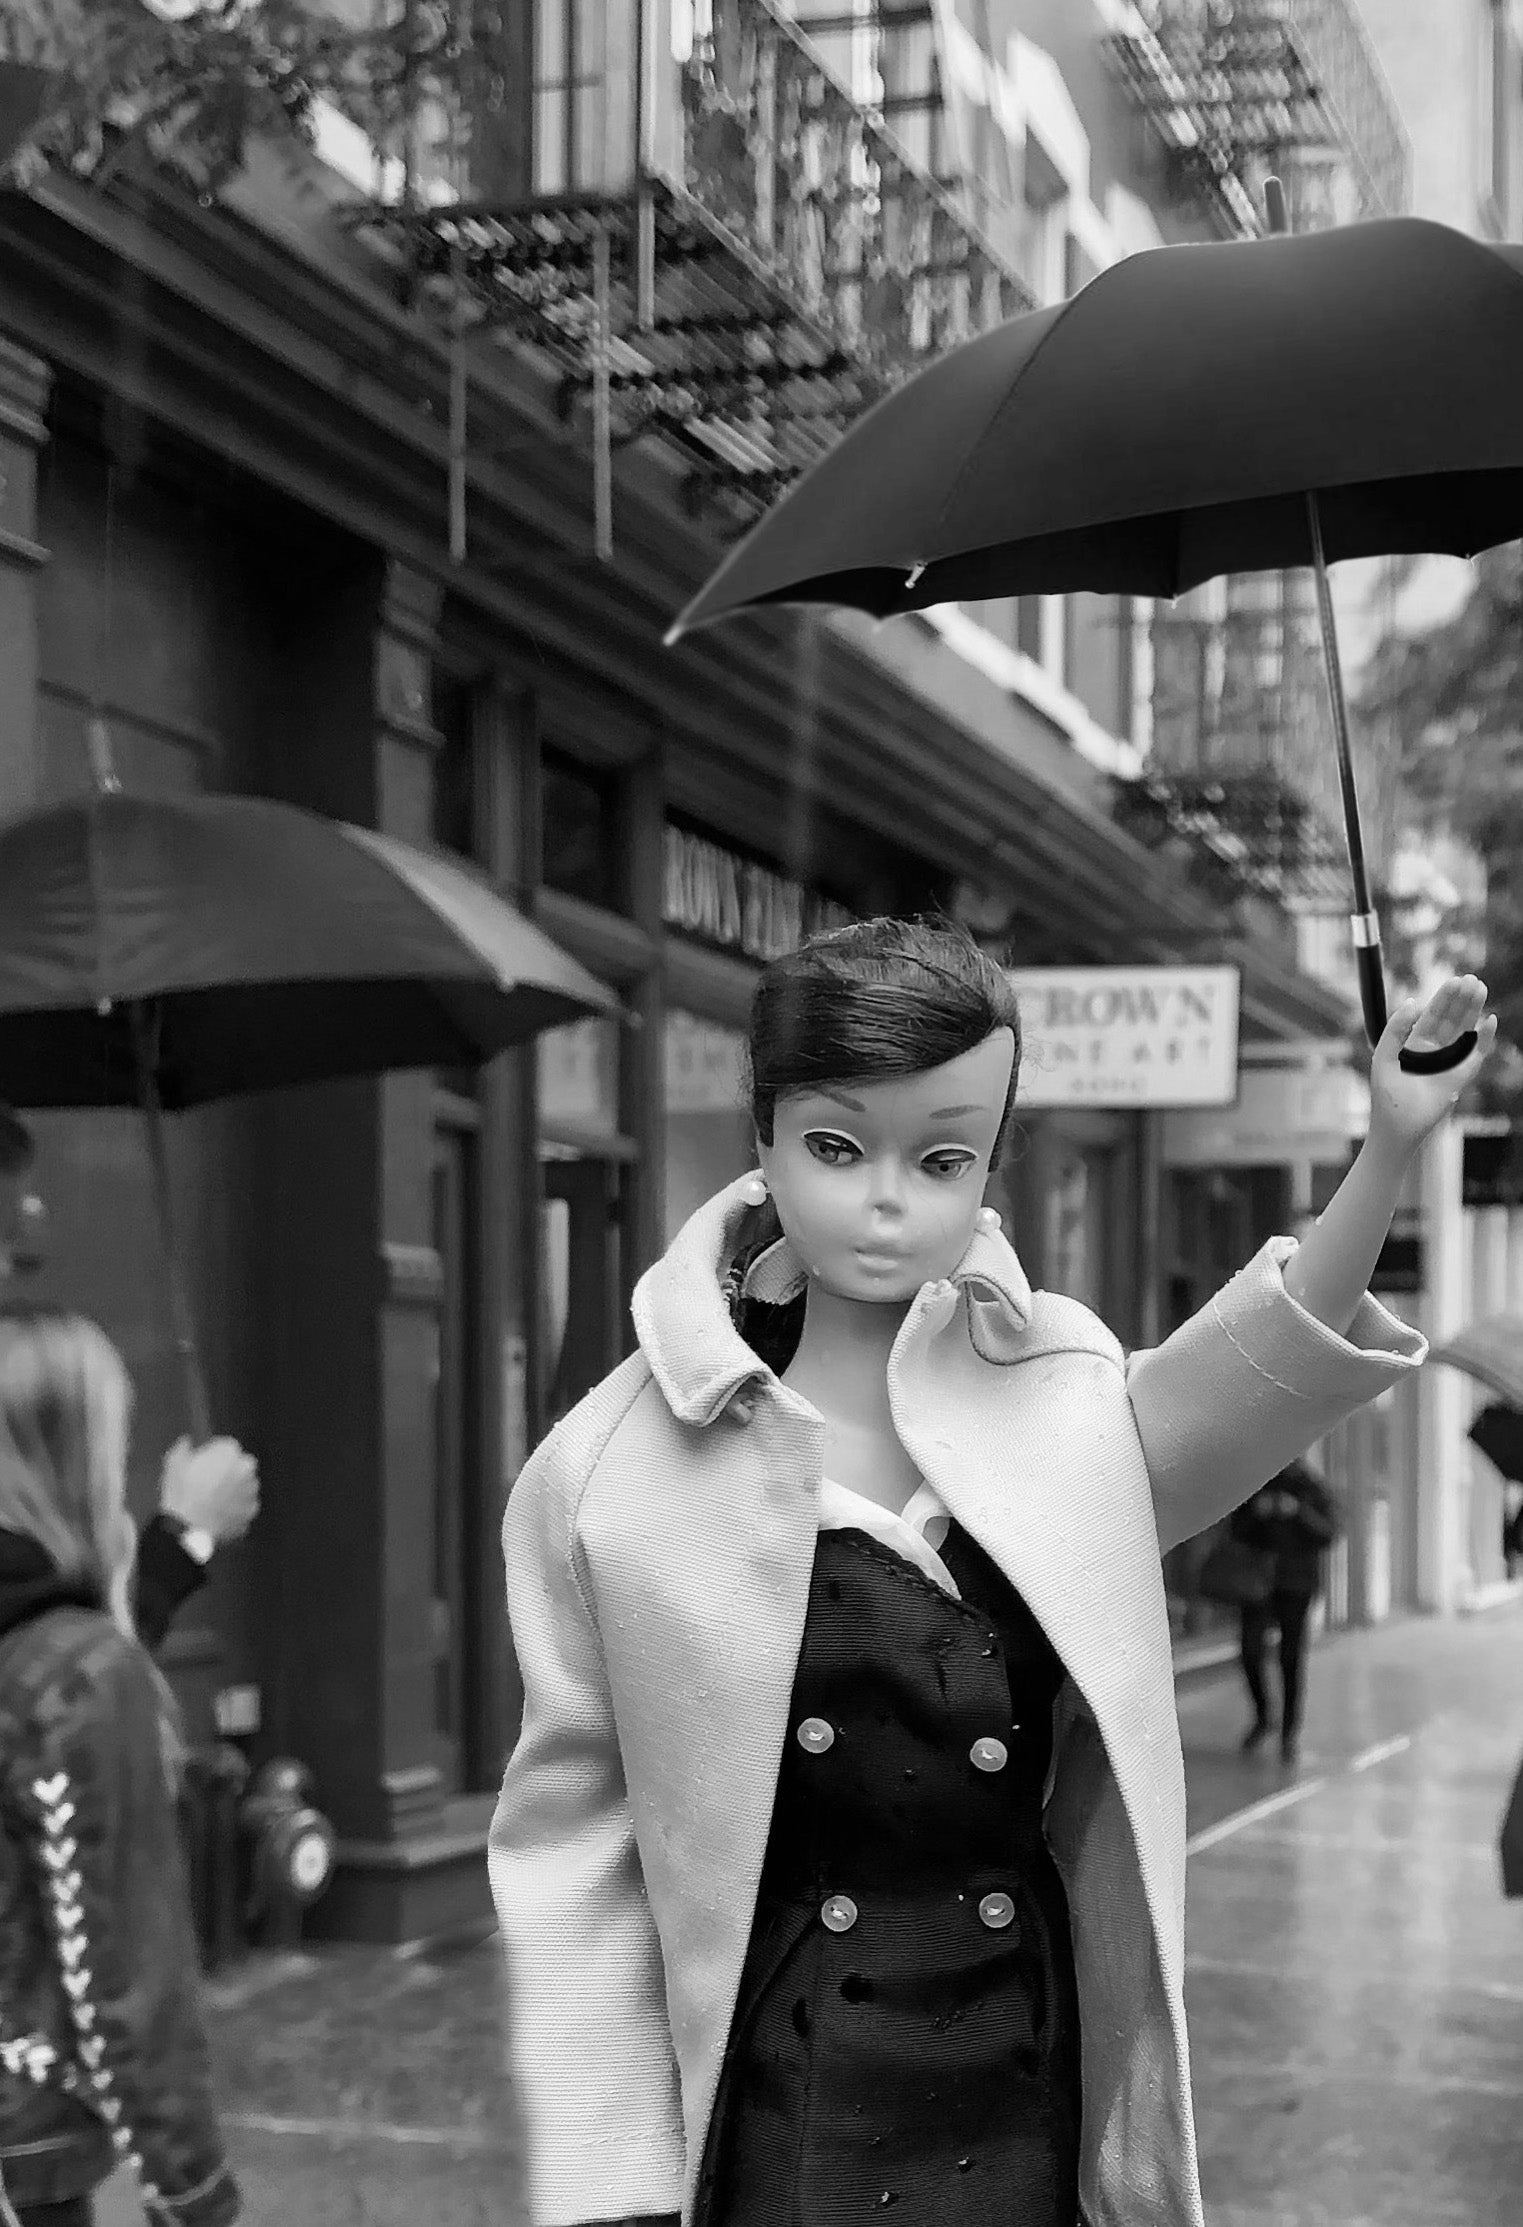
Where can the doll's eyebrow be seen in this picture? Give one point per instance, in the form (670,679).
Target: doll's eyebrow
(938,1113)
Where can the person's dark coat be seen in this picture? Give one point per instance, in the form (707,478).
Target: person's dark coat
(1297,1542)
(165,1579)
(103,2058)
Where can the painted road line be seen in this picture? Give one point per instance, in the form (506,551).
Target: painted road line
(1381,1752)
(1240,1819)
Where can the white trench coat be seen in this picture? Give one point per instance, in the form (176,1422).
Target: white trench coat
(658,1550)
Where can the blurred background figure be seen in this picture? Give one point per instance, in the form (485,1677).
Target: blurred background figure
(103,2060)
(208,1494)
(1293,1519)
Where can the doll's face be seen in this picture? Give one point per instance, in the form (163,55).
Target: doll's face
(878,1184)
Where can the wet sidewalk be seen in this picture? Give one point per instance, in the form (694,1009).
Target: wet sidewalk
(1355,1987)
(1355,1979)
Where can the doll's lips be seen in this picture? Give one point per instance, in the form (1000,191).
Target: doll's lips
(879,1256)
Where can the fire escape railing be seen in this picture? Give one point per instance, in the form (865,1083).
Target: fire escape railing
(743,302)
(1235,90)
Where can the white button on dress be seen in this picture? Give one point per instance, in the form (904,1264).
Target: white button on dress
(989,1755)
(839,1913)
(996,1910)
(816,1735)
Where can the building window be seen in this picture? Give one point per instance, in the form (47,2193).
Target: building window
(708,1121)
(580,818)
(584,54)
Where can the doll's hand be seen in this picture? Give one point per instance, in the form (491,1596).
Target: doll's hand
(1405,1109)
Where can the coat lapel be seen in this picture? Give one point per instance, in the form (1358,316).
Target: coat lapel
(1041,1465)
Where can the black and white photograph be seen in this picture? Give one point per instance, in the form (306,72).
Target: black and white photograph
(761,1113)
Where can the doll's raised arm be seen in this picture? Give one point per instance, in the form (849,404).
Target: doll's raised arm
(1249,1383)
(589,2047)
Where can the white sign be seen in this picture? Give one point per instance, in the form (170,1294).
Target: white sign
(1128,1036)
(1283,1114)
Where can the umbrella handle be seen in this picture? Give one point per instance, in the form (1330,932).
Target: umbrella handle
(1372,996)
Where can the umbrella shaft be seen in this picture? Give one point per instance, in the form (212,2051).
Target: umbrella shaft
(1334,668)
(194,1382)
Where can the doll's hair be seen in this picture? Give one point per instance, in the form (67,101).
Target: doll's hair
(873,1002)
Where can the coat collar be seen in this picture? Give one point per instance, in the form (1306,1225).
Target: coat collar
(700,1360)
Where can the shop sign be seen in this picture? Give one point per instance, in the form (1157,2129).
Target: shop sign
(733,902)
(1283,1114)
(1117,1037)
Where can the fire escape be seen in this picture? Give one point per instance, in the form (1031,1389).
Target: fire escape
(1240,759)
(727,229)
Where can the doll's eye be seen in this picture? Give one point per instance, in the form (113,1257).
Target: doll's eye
(948,1166)
(834,1151)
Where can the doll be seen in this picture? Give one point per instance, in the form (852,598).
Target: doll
(839,1864)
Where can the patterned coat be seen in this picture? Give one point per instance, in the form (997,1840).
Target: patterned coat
(658,1550)
(102,2055)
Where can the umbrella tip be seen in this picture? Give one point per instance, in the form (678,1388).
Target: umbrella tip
(673,634)
(1274,207)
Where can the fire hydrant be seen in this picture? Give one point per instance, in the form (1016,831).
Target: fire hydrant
(291,1849)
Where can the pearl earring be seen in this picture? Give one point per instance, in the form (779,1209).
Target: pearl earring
(989,1221)
(755,1192)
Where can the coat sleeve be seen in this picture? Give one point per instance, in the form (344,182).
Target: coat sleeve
(117,1905)
(590,2049)
(1249,1383)
(164,1579)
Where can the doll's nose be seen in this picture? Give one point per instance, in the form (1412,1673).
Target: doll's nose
(887,1195)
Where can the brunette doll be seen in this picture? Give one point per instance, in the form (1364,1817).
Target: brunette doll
(840,1861)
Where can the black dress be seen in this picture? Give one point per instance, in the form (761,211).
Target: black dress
(906,2038)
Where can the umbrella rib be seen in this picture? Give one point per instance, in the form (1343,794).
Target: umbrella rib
(994,417)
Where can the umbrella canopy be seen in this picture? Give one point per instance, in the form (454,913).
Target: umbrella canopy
(269,946)
(1490,1350)
(1166,425)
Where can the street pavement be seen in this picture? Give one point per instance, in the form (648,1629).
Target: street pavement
(1355,1986)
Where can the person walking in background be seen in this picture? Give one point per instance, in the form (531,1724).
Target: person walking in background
(208,1494)
(1293,1520)
(103,2057)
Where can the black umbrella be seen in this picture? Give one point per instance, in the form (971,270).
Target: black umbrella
(163,951)
(1197,410)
